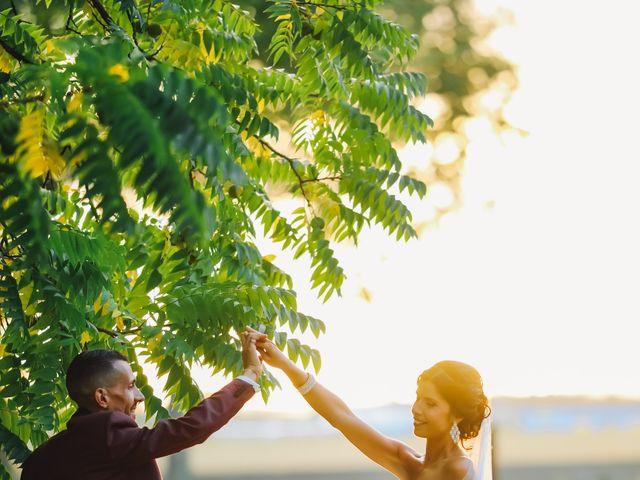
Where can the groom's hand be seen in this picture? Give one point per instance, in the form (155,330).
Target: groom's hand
(250,358)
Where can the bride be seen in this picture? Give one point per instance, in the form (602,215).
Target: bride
(450,408)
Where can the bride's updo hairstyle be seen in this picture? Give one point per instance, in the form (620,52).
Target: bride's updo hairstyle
(461,386)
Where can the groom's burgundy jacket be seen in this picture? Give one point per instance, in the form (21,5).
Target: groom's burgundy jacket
(111,445)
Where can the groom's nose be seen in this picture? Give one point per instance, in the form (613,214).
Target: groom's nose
(138,396)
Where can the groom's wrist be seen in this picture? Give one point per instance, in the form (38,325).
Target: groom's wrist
(248,372)
(249,377)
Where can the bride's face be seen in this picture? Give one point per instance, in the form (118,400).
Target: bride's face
(432,416)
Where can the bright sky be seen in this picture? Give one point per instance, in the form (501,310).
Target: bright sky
(541,292)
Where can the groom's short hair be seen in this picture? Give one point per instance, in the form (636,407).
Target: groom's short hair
(90,370)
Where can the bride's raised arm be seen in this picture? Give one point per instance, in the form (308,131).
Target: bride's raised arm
(386,452)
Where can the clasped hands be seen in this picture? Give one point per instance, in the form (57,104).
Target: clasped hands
(256,347)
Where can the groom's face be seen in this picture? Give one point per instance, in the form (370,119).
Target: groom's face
(121,394)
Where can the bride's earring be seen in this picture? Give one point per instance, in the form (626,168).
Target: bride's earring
(455,433)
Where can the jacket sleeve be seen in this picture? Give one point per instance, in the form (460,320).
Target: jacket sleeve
(129,443)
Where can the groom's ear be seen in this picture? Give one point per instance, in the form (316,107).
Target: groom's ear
(101,396)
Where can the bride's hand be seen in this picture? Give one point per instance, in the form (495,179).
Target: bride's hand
(268,350)
(271,354)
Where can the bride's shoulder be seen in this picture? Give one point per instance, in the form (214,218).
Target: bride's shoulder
(408,457)
(408,453)
(459,468)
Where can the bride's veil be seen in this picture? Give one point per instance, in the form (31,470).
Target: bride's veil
(481,452)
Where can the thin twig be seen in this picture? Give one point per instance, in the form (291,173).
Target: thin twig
(37,98)
(134,36)
(69,20)
(324,5)
(321,179)
(97,19)
(93,208)
(108,332)
(291,164)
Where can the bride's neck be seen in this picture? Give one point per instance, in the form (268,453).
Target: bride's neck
(438,449)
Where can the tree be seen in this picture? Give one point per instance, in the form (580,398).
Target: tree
(461,71)
(140,151)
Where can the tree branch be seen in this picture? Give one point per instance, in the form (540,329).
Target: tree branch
(38,98)
(108,332)
(289,160)
(98,7)
(134,36)
(69,20)
(14,53)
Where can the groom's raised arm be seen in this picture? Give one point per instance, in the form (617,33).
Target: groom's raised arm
(129,443)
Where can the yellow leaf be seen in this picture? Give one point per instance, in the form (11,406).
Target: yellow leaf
(365,294)
(119,70)
(97,305)
(6,61)
(132,275)
(208,56)
(17,275)
(38,153)
(49,46)
(25,296)
(154,341)
(286,16)
(7,202)
(261,105)
(318,117)
(340,14)
(120,323)
(75,102)
(80,157)
(256,147)
(54,159)
(3,350)
(85,338)
(269,258)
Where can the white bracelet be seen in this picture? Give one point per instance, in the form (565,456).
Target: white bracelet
(308,385)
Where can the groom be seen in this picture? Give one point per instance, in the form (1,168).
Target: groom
(102,439)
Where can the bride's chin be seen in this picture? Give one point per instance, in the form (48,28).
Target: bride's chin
(419,432)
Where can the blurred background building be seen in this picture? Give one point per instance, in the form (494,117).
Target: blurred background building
(568,438)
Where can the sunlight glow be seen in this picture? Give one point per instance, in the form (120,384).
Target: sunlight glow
(534,280)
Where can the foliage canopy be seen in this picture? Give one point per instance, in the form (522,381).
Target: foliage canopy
(139,146)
